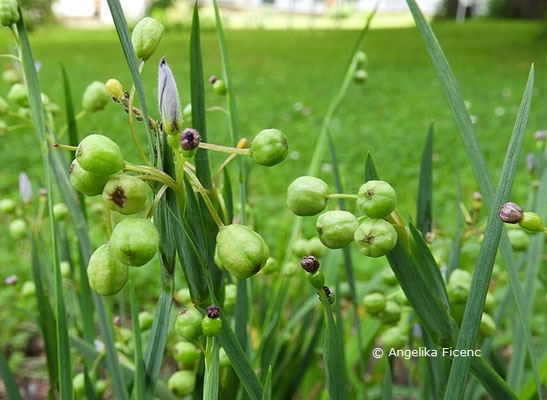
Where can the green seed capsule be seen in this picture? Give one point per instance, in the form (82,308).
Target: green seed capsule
(218,263)
(9,13)
(28,289)
(317,280)
(18,229)
(391,313)
(458,286)
(241,251)
(65,269)
(220,87)
(360,76)
(487,326)
(183,296)
(85,182)
(11,76)
(3,127)
(78,384)
(307,196)
(4,107)
(146,36)
(290,268)
(519,240)
(188,324)
(393,338)
(7,206)
(230,296)
(388,277)
(376,199)
(146,319)
(269,147)
(211,327)
(60,211)
(126,194)
(100,388)
(270,267)
(134,241)
(100,155)
(95,97)
(18,95)
(531,222)
(186,354)
(336,228)
(182,383)
(107,276)
(374,303)
(375,237)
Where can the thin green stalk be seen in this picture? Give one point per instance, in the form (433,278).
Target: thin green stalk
(138,386)
(211,381)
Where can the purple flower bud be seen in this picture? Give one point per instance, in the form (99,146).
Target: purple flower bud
(540,135)
(168,99)
(11,280)
(190,139)
(310,264)
(212,79)
(531,163)
(42,192)
(213,312)
(117,320)
(25,188)
(477,196)
(511,213)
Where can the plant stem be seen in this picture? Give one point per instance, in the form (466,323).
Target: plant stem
(132,120)
(107,221)
(156,201)
(342,196)
(65,147)
(225,149)
(148,170)
(203,192)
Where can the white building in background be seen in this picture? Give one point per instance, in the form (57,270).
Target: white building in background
(97,11)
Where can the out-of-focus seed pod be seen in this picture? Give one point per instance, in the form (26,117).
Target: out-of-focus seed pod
(146,36)
(374,303)
(182,383)
(9,12)
(95,97)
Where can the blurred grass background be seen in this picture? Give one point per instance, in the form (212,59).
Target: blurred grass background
(284,79)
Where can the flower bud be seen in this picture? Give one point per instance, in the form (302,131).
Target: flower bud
(375,237)
(188,324)
(391,313)
(182,383)
(168,99)
(11,280)
(510,212)
(336,228)
(100,155)
(540,135)
(60,211)
(146,36)
(531,222)
(85,182)
(107,276)
(269,147)
(360,75)
(126,194)
(393,338)
(219,86)
(18,95)
(114,88)
(487,326)
(374,303)
(134,241)
(317,280)
(4,107)
(212,79)
(519,240)
(7,206)
(95,97)
(186,354)
(307,196)
(376,199)
(531,163)
(310,264)
(189,141)
(146,319)
(213,312)
(18,229)
(241,251)
(9,12)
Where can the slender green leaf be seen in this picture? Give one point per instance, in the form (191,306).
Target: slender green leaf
(12,390)
(387,387)
(487,254)
(211,381)
(457,242)
(89,386)
(267,394)
(138,383)
(333,354)
(424,215)
(478,162)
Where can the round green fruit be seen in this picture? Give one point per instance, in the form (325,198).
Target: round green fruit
(188,324)
(11,76)
(18,229)
(9,12)
(300,248)
(391,313)
(269,147)
(107,276)
(100,155)
(95,97)
(146,319)
(270,267)
(78,384)
(183,296)
(458,286)
(531,222)
(211,326)
(230,296)
(182,383)
(375,237)
(60,211)
(126,194)
(100,388)
(487,326)
(519,240)
(18,95)
(146,36)
(393,338)
(336,228)
(85,182)
(241,251)
(134,241)
(307,196)
(28,289)
(374,303)
(388,277)
(7,206)
(376,199)
(186,354)
(219,86)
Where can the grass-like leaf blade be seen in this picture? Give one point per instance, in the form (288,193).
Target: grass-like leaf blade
(138,382)
(10,385)
(487,254)
(424,214)
(267,394)
(333,354)
(211,381)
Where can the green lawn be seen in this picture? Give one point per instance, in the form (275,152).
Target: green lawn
(273,70)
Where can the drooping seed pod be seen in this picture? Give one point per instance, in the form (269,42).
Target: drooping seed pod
(188,324)
(336,228)
(487,325)
(510,212)
(168,99)
(315,247)
(458,286)
(388,277)
(519,240)
(230,296)
(182,383)
(393,338)
(391,313)
(85,182)
(18,229)
(146,319)
(186,354)
(60,211)
(95,97)
(107,276)
(100,155)
(375,237)
(134,241)
(531,222)
(126,194)
(269,147)
(374,303)
(7,206)
(146,37)
(11,76)
(28,289)
(18,95)
(307,196)
(360,75)
(9,12)
(376,199)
